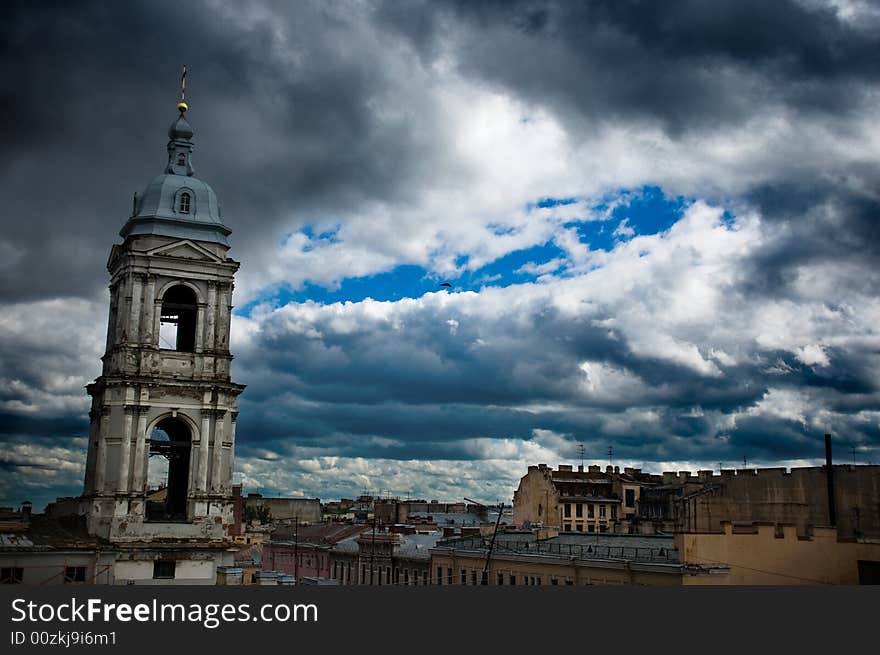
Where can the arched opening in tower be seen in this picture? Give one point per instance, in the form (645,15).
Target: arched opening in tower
(177,324)
(168,470)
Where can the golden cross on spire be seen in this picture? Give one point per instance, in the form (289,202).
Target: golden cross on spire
(182,106)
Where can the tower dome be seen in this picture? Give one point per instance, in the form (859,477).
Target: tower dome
(176,203)
(180,129)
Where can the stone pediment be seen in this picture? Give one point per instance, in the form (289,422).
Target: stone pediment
(185,249)
(115,252)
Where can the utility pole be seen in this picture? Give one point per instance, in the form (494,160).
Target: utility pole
(373,550)
(492,545)
(296,548)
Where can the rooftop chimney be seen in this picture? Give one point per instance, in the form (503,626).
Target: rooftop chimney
(829,474)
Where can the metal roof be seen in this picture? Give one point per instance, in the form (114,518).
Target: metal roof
(158,209)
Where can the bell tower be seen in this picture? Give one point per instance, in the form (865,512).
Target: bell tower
(163,413)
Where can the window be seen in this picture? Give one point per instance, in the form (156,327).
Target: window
(630,497)
(540,509)
(602,511)
(449,575)
(579,510)
(163,569)
(474,577)
(591,511)
(464,576)
(554,581)
(579,527)
(512,579)
(614,511)
(439,575)
(603,528)
(500,579)
(181,159)
(185,203)
(566,527)
(11,575)
(567,510)
(591,528)
(75,574)
(177,322)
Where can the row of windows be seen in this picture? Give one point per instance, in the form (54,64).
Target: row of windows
(579,527)
(591,510)
(382,575)
(378,575)
(162,569)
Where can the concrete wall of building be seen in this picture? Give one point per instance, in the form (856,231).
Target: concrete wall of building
(114,567)
(531,570)
(536,500)
(798,497)
(775,555)
(48,568)
(302,560)
(192,567)
(308,510)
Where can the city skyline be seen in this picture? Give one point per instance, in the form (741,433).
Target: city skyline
(657,224)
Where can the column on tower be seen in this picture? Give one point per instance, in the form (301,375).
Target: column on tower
(121,292)
(227,477)
(137,478)
(216,474)
(211,317)
(122,484)
(202,484)
(202,310)
(137,287)
(101,463)
(112,318)
(222,342)
(147,329)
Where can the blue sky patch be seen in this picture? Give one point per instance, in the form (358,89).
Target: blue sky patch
(646,211)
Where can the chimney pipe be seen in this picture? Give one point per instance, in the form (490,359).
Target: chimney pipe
(829,475)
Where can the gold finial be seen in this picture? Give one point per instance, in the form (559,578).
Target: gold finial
(182,106)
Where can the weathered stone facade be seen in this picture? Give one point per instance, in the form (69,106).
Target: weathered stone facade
(576,501)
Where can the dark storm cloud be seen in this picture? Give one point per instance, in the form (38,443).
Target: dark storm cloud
(283,123)
(687,63)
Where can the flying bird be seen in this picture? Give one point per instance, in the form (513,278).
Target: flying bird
(445,284)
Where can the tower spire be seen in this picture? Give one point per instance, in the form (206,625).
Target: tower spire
(182,106)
